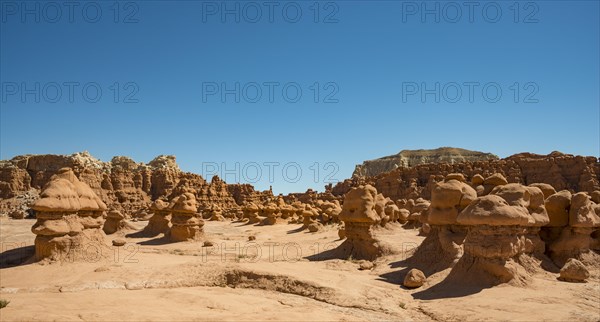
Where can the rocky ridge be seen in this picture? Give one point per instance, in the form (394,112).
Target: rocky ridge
(411,158)
(121,183)
(561,171)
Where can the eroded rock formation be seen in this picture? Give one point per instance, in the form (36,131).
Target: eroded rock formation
(411,158)
(69,219)
(187,222)
(121,183)
(360,221)
(561,171)
(160,222)
(503,232)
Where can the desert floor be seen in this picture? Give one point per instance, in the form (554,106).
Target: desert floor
(279,276)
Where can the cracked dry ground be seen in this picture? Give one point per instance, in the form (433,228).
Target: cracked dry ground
(152,280)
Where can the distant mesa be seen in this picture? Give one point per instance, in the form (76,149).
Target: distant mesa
(411,158)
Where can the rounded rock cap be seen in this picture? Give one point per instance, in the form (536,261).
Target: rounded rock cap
(495,179)
(58,195)
(159,205)
(185,203)
(493,210)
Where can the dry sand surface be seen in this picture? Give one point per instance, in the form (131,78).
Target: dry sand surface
(282,275)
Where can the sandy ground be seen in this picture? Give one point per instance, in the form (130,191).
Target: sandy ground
(279,276)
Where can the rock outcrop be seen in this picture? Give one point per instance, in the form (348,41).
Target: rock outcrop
(121,183)
(561,171)
(160,222)
(574,221)
(69,219)
(114,222)
(187,222)
(503,231)
(443,246)
(411,158)
(360,222)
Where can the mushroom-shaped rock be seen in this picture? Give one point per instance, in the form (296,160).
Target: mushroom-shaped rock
(251,212)
(500,232)
(187,224)
(61,220)
(272,213)
(360,219)
(216,213)
(309,215)
(160,222)
(114,222)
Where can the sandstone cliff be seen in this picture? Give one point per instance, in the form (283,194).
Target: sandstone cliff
(121,183)
(411,158)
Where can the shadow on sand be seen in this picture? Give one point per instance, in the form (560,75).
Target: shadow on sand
(297,230)
(17,257)
(156,241)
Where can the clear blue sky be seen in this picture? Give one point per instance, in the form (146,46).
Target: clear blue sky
(373,57)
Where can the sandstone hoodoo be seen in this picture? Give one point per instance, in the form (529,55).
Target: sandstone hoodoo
(160,222)
(502,235)
(309,218)
(114,222)
(251,213)
(272,213)
(330,211)
(360,222)
(577,227)
(69,218)
(187,223)
(215,213)
(443,245)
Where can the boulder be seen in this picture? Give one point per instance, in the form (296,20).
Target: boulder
(574,271)
(414,278)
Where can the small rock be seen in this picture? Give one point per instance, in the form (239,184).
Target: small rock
(208,243)
(102,269)
(134,285)
(365,265)
(574,271)
(251,238)
(414,278)
(342,233)
(17,214)
(314,227)
(8,290)
(425,229)
(119,242)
